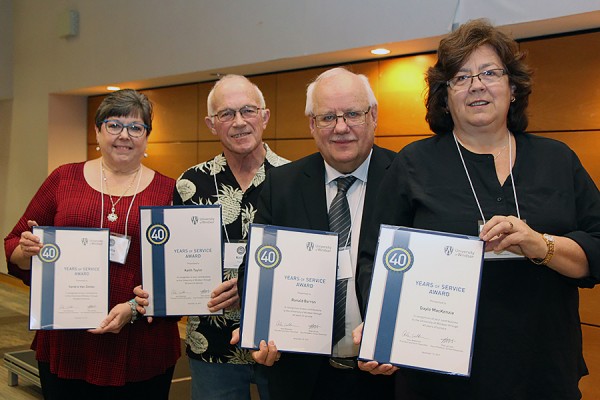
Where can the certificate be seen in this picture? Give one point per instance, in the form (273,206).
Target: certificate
(423,300)
(69,278)
(289,289)
(181,258)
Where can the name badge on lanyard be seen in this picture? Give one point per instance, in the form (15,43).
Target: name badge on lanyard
(344,264)
(119,247)
(234,254)
(499,255)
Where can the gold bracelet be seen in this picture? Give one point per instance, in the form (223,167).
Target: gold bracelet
(550,243)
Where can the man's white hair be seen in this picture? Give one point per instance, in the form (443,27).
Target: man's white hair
(309,110)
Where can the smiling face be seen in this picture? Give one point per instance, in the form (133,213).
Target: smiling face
(121,152)
(480,106)
(239,136)
(343,147)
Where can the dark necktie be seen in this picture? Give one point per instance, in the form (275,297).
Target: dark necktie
(340,222)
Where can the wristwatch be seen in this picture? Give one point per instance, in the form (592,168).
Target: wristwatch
(134,313)
(549,239)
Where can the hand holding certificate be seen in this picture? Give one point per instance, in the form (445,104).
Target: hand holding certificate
(423,300)
(69,278)
(181,258)
(289,289)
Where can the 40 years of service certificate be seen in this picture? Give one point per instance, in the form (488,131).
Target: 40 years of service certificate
(69,278)
(181,258)
(423,301)
(289,289)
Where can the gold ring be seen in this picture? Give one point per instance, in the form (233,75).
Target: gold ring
(511,225)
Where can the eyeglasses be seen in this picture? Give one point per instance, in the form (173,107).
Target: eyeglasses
(135,129)
(351,118)
(246,112)
(485,77)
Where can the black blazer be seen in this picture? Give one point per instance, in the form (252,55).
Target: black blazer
(293,195)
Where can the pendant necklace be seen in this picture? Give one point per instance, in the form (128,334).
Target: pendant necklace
(112,217)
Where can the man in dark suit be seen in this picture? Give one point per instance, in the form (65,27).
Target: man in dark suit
(342,111)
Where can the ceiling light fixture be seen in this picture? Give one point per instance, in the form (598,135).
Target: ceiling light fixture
(380,51)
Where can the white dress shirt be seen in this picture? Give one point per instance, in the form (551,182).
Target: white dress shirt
(356,201)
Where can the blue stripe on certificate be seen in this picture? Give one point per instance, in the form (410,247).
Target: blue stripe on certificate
(265,288)
(397,265)
(158,259)
(47,303)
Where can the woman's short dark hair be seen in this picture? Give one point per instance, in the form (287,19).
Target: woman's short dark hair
(125,103)
(453,52)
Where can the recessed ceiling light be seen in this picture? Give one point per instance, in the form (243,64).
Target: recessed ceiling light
(380,51)
(113,88)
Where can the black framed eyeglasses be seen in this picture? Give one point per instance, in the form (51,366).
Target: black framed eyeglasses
(351,118)
(246,112)
(134,129)
(485,77)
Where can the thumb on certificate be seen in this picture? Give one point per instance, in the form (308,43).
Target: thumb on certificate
(235,336)
(357,333)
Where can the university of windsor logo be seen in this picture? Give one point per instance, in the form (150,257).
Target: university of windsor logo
(84,241)
(310,246)
(194,219)
(448,250)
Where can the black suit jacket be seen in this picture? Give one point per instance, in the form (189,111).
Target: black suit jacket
(293,195)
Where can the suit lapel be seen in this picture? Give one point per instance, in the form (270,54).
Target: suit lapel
(377,167)
(313,194)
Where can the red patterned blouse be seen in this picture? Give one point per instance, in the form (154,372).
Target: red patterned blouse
(141,350)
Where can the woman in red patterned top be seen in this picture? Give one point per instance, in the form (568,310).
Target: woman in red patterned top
(118,359)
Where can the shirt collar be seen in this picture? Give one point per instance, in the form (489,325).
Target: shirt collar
(361,172)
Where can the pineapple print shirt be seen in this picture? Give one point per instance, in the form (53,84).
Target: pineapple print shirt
(208,337)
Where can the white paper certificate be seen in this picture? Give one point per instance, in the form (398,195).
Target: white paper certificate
(289,289)
(181,258)
(69,278)
(423,300)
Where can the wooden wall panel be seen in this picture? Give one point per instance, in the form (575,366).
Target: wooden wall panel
(293,149)
(589,306)
(171,159)
(401,95)
(589,385)
(581,142)
(396,143)
(206,151)
(291,101)
(203,90)
(91,151)
(175,114)
(268,86)
(371,70)
(566,90)
(93,104)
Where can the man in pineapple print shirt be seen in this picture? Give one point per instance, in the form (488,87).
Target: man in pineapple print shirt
(237,115)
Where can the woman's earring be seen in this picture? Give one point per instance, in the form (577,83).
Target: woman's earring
(513,99)
(97,148)
(145,155)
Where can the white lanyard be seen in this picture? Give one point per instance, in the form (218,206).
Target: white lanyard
(471,183)
(130,204)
